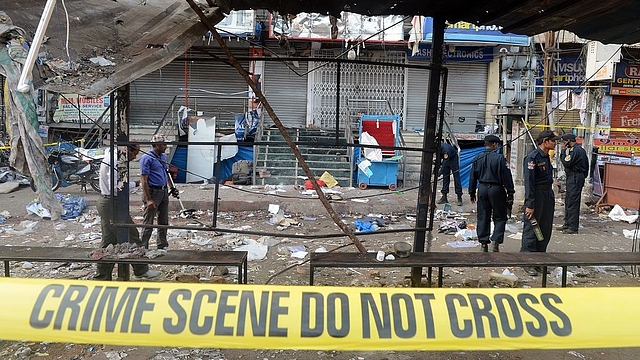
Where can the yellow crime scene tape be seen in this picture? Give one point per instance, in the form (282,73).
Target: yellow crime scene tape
(316,318)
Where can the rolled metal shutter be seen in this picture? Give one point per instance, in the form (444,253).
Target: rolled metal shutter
(466,95)
(564,120)
(286,92)
(216,89)
(416,96)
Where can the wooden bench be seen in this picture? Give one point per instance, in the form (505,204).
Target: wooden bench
(81,255)
(441,260)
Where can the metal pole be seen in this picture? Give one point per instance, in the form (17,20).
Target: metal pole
(217,187)
(338,101)
(429,146)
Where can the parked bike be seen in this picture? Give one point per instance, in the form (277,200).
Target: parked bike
(67,168)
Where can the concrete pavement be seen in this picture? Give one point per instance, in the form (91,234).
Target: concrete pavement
(253,198)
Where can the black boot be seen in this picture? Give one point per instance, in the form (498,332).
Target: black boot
(495,247)
(443,199)
(459,200)
(484,248)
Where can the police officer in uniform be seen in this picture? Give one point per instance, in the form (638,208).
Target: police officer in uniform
(576,166)
(450,164)
(495,193)
(539,198)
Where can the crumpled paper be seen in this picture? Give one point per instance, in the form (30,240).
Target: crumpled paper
(618,214)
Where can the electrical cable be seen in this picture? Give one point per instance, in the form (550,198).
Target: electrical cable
(342,53)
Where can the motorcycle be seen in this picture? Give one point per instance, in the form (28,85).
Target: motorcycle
(67,168)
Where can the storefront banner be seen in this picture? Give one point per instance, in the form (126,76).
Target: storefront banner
(467,32)
(568,71)
(74,108)
(626,80)
(455,53)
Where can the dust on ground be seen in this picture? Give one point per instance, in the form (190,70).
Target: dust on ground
(597,233)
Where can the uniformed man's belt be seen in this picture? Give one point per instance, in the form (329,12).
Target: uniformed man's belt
(158,187)
(490,184)
(543,187)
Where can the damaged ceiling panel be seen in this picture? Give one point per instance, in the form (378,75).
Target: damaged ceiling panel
(609,21)
(126,39)
(130,38)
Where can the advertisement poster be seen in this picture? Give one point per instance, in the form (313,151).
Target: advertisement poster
(73,108)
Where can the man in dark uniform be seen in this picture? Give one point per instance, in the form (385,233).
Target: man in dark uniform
(495,193)
(539,198)
(576,166)
(450,164)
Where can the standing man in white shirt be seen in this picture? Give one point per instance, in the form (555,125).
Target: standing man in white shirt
(108,210)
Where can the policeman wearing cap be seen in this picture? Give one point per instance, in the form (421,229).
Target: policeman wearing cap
(539,198)
(155,184)
(492,177)
(450,165)
(576,166)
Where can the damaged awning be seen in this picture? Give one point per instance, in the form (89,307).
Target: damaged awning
(129,38)
(110,43)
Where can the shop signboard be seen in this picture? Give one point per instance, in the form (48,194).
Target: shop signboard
(568,71)
(455,53)
(461,32)
(626,80)
(73,108)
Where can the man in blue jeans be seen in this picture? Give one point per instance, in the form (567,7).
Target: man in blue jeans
(450,164)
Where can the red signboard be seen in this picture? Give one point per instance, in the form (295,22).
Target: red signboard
(625,114)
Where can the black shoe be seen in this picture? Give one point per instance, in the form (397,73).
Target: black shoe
(569,231)
(484,248)
(530,271)
(562,228)
(495,247)
(442,200)
(101,277)
(459,200)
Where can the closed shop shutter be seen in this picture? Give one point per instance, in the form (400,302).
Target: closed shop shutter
(416,96)
(564,120)
(466,95)
(220,92)
(286,93)
(364,88)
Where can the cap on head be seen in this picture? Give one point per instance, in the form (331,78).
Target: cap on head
(569,137)
(490,139)
(547,135)
(158,138)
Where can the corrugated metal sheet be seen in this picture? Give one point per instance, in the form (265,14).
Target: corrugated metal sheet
(286,92)
(216,89)
(564,120)
(416,96)
(466,95)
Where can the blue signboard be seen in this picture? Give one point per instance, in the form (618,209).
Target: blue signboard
(455,53)
(467,32)
(568,71)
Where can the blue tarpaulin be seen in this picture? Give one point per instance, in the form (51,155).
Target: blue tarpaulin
(244,153)
(466,158)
